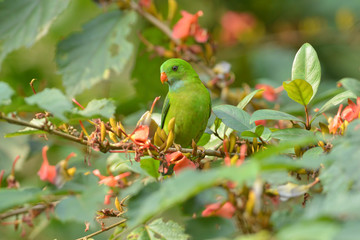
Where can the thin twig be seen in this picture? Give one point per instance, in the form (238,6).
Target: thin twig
(102,230)
(38,207)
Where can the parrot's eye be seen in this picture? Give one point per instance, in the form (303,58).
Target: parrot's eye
(175,68)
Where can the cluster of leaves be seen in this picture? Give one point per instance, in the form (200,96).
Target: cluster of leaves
(264,173)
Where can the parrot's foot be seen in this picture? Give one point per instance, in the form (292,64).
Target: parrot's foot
(202,151)
(178,147)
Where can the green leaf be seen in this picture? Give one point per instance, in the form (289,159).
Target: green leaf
(151,166)
(87,57)
(25,22)
(14,197)
(155,198)
(233,117)
(28,130)
(335,101)
(51,100)
(314,230)
(5,93)
(306,66)
(210,227)
(98,108)
(248,98)
(254,133)
(291,134)
(299,90)
(269,114)
(259,130)
(352,85)
(82,207)
(167,230)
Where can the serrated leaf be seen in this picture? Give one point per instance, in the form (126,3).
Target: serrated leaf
(25,22)
(151,166)
(87,57)
(351,84)
(299,90)
(335,101)
(306,66)
(51,100)
(158,197)
(210,228)
(269,114)
(248,98)
(98,108)
(166,230)
(233,117)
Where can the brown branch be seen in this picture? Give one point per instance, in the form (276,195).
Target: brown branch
(38,207)
(208,152)
(102,230)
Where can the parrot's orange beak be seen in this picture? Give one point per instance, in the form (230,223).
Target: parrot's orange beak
(163,77)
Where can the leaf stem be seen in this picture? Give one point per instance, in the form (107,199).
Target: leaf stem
(307,124)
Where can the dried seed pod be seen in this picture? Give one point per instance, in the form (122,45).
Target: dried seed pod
(171,124)
(120,126)
(118,205)
(157,139)
(113,137)
(194,147)
(232,141)
(103,131)
(114,126)
(234,159)
(170,140)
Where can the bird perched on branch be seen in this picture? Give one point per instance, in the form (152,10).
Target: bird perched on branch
(188,101)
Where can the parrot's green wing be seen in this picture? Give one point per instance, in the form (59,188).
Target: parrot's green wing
(165,110)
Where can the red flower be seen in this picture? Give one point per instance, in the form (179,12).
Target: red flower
(188,26)
(140,135)
(47,172)
(270,93)
(181,162)
(260,122)
(234,24)
(225,210)
(111,181)
(351,112)
(336,122)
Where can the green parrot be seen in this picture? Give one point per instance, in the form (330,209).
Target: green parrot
(188,101)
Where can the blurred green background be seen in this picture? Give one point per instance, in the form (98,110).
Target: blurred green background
(262,53)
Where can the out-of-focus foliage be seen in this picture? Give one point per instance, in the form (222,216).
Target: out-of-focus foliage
(279,162)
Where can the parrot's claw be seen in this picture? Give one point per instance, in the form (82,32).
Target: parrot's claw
(202,151)
(178,147)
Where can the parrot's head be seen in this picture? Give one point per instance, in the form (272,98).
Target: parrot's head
(175,70)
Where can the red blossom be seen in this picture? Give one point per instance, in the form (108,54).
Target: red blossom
(181,162)
(140,135)
(351,112)
(111,181)
(188,26)
(47,172)
(145,3)
(270,93)
(225,210)
(260,122)
(235,24)
(336,122)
